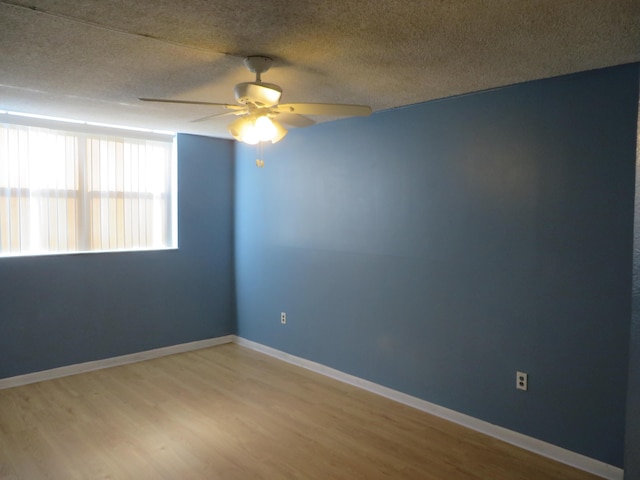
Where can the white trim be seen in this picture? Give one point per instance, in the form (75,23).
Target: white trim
(68,124)
(111,362)
(525,442)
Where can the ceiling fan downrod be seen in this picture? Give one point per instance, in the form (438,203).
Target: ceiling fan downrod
(258,64)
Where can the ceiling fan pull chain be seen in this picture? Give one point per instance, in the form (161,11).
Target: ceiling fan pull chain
(259,155)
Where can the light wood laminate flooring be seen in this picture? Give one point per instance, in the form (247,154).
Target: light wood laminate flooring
(228,412)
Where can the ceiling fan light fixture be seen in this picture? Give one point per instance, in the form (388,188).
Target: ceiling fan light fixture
(280,132)
(252,130)
(265,128)
(243,130)
(259,103)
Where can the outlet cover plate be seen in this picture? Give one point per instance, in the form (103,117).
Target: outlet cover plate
(522,381)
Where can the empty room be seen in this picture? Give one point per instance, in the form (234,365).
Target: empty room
(319,240)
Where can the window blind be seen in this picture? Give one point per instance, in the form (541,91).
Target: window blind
(66,191)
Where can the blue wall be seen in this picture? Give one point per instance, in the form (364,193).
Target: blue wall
(439,248)
(66,309)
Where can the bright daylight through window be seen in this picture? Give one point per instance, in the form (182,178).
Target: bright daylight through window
(64,191)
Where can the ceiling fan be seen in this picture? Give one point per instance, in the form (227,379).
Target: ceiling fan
(262,118)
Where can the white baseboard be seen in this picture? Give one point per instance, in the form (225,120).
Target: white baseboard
(111,362)
(525,442)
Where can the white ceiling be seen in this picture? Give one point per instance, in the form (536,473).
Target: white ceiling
(91,60)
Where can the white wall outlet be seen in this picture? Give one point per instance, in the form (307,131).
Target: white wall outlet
(522,381)
(283,318)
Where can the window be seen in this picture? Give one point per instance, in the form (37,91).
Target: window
(63,191)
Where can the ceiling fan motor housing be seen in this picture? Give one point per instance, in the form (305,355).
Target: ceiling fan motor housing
(258,93)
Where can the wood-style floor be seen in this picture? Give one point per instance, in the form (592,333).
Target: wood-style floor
(227,412)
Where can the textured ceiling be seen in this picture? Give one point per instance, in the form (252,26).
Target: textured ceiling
(92,59)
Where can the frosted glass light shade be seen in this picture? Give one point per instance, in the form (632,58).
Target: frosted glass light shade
(252,130)
(265,128)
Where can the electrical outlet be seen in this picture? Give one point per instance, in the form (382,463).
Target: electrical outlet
(522,381)
(283,318)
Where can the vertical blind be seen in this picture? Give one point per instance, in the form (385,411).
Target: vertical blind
(67,192)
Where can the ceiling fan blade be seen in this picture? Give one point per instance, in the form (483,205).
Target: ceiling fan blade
(294,120)
(223,114)
(192,102)
(328,109)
